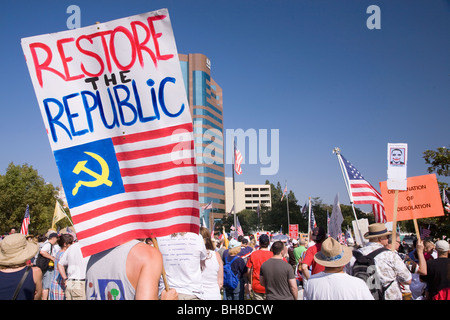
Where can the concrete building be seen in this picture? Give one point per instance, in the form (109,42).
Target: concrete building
(248,196)
(206,106)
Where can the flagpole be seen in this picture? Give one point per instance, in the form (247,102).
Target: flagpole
(234,187)
(309,220)
(287,206)
(346,182)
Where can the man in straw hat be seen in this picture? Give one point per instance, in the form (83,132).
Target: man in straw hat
(15,252)
(334,283)
(390,270)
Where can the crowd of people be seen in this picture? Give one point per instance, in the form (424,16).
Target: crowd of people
(190,266)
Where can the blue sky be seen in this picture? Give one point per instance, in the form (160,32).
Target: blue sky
(311,69)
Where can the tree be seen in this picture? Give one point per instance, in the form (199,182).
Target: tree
(22,185)
(439,162)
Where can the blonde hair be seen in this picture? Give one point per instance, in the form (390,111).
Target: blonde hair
(234,251)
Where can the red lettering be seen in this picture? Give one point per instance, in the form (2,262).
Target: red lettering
(91,54)
(102,34)
(141,45)
(65,60)
(112,48)
(45,65)
(155,37)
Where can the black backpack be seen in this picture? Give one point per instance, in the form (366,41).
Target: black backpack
(364,268)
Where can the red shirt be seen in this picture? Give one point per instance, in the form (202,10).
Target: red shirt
(255,261)
(309,259)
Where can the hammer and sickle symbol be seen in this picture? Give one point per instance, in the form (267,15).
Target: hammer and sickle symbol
(99,178)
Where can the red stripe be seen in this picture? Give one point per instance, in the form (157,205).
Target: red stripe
(149,135)
(143,218)
(131,172)
(144,186)
(150,152)
(137,234)
(366,194)
(133,203)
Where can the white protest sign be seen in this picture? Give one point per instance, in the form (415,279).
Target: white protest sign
(364,227)
(114,105)
(336,219)
(397,165)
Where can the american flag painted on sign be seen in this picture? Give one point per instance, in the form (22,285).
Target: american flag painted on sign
(362,192)
(26,221)
(157,190)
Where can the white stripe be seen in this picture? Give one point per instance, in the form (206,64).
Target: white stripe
(134,226)
(160,175)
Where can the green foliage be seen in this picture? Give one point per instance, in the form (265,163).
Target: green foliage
(439,161)
(21,185)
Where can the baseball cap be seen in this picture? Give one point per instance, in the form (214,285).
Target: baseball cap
(442,245)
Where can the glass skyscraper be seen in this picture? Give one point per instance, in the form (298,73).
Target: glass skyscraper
(206,106)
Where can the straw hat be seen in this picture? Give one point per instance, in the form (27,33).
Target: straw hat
(377,230)
(333,254)
(16,250)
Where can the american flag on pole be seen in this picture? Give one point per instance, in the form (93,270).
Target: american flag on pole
(425,233)
(284,192)
(445,200)
(26,221)
(362,192)
(237,160)
(207,206)
(240,232)
(313,220)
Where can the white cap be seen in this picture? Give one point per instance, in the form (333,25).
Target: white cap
(442,246)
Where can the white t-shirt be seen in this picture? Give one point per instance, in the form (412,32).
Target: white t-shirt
(181,255)
(75,263)
(336,286)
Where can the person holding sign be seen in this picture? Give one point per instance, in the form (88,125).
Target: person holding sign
(390,270)
(437,274)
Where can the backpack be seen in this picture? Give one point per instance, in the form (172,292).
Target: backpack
(230,280)
(365,269)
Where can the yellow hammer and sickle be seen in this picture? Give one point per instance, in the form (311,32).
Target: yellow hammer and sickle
(99,178)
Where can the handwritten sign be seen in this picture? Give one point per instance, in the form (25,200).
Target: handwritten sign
(420,200)
(115,109)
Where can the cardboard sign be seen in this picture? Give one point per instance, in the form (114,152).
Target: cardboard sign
(293,231)
(397,166)
(420,200)
(114,104)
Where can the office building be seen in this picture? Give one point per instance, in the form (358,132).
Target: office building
(248,196)
(206,106)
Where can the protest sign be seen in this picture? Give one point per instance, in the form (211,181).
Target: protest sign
(397,166)
(336,219)
(115,109)
(420,200)
(363,226)
(293,231)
